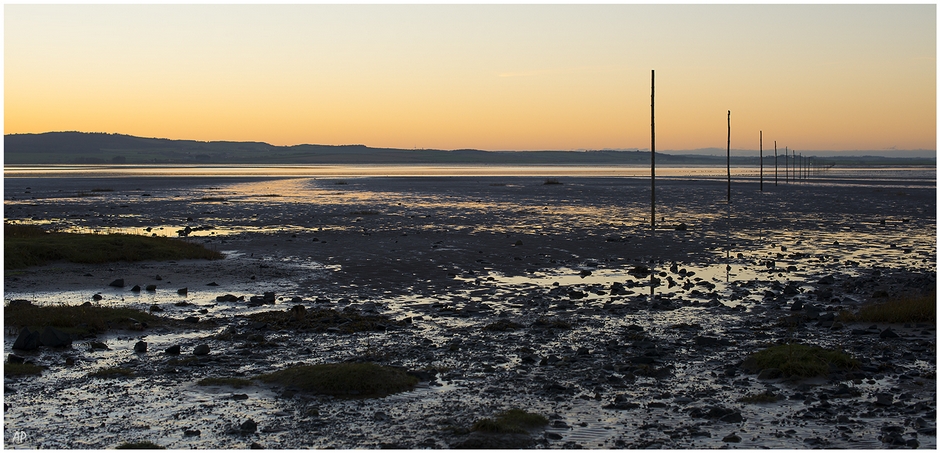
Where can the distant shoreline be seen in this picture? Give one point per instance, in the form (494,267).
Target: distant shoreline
(72,148)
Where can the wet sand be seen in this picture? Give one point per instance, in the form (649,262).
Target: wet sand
(457,254)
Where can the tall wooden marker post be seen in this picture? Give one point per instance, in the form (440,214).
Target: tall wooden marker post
(761,161)
(729,156)
(652,149)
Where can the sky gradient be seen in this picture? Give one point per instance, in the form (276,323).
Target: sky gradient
(493,77)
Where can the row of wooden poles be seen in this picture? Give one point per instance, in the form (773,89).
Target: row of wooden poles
(801,166)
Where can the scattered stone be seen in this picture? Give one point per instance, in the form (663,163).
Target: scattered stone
(155,308)
(192,432)
(19,303)
(119,283)
(151,288)
(884,399)
(888,333)
(96,297)
(827,280)
(182,291)
(191,319)
(249,426)
(202,349)
(13,358)
(732,438)
(212,284)
(173,350)
(136,289)
(99,345)
(140,347)
(27,340)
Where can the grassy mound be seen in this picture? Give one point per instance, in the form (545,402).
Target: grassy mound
(141,445)
(322,320)
(921,308)
(348,380)
(228,382)
(11,369)
(30,245)
(799,360)
(80,319)
(511,421)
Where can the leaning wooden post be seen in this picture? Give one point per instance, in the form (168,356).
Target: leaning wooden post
(652,149)
(761,161)
(729,156)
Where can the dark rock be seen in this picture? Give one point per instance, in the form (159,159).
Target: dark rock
(182,291)
(239,396)
(827,280)
(155,308)
(212,284)
(96,297)
(249,426)
(797,305)
(141,346)
(54,338)
(173,350)
(192,432)
(732,438)
(255,446)
(13,358)
(27,340)
(136,288)
(99,345)
(884,399)
(734,417)
(202,349)
(888,333)
(191,319)
(151,288)
(119,283)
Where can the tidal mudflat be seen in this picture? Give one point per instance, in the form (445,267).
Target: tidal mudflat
(495,293)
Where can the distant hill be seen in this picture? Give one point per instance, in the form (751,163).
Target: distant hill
(102,148)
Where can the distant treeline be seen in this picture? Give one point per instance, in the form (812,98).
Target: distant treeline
(102,148)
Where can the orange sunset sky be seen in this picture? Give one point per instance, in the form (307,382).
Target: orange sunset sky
(494,77)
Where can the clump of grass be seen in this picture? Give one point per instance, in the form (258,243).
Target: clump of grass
(346,380)
(26,245)
(511,421)
(920,308)
(230,382)
(140,445)
(113,372)
(552,181)
(323,320)
(77,319)
(800,360)
(80,319)
(502,325)
(11,369)
(551,323)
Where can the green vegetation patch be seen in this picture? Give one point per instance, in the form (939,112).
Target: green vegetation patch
(229,382)
(113,372)
(511,421)
(922,308)
(800,360)
(11,369)
(324,320)
(80,319)
(346,380)
(30,245)
(141,445)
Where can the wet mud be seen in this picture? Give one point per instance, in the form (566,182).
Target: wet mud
(499,293)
